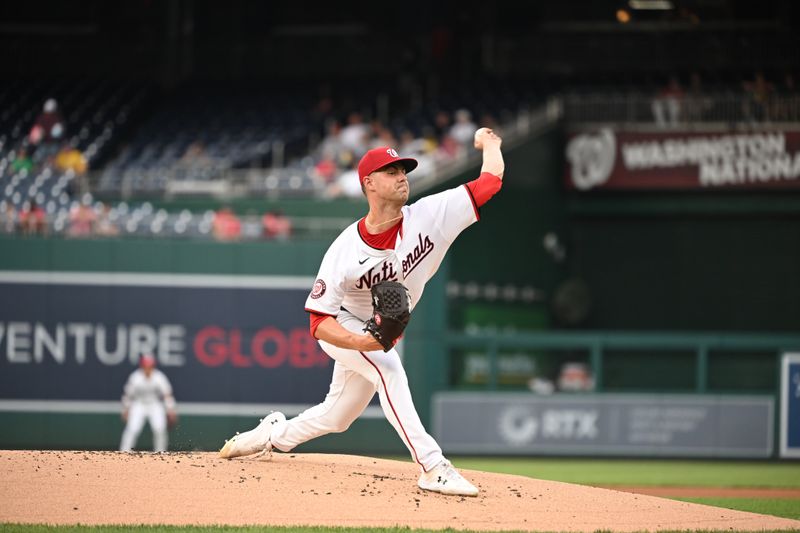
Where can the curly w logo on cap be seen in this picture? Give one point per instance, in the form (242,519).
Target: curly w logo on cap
(378,158)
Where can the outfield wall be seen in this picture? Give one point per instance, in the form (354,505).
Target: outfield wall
(226,320)
(233,340)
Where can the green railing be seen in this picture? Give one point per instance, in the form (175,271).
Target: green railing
(596,343)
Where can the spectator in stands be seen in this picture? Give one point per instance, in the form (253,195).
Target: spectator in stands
(70,158)
(332,141)
(450,149)
(759,91)
(355,135)
(276,225)
(104,225)
(431,139)
(49,125)
(666,104)
(410,144)
(347,184)
(326,169)
(441,124)
(697,103)
(195,156)
(8,217)
(420,149)
(227,226)
(463,129)
(32,219)
(82,219)
(346,160)
(22,161)
(786,108)
(381,136)
(331,146)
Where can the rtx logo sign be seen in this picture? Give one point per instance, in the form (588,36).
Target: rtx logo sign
(519,426)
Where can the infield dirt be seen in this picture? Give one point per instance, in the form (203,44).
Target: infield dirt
(73,487)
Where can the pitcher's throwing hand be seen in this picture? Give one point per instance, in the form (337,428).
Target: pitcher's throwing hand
(486,135)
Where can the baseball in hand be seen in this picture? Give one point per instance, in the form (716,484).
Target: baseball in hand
(480,134)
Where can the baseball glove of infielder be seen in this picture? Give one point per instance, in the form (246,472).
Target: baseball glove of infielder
(391,311)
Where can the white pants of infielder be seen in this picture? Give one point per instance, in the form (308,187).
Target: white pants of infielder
(356,378)
(139,412)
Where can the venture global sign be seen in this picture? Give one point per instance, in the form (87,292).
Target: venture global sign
(62,340)
(212,346)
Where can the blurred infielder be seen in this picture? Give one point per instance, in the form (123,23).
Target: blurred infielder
(147,397)
(397,242)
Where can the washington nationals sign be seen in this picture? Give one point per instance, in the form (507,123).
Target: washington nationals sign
(608,159)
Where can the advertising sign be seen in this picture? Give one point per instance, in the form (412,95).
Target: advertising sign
(223,339)
(710,160)
(790,405)
(605,424)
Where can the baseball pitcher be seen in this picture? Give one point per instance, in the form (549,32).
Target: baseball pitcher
(370,279)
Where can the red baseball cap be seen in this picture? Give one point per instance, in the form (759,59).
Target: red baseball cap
(379,158)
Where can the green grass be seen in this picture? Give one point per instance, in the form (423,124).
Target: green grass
(644,472)
(784,508)
(661,473)
(15,528)
(18,528)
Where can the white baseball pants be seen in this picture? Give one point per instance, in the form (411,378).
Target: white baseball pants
(356,378)
(139,412)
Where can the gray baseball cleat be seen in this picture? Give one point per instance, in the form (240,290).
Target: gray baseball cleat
(446,479)
(253,441)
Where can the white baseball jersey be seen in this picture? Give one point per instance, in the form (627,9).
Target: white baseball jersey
(140,388)
(351,266)
(147,399)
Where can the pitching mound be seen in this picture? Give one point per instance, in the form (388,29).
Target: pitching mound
(58,487)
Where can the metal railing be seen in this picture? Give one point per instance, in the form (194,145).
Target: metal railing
(142,221)
(597,343)
(678,113)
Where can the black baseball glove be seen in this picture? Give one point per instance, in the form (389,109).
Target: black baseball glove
(390,312)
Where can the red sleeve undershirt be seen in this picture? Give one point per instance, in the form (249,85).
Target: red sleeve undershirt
(315,319)
(484,187)
(481,189)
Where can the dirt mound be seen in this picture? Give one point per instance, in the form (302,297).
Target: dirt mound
(60,487)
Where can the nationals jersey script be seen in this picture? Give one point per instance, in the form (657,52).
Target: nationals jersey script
(351,266)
